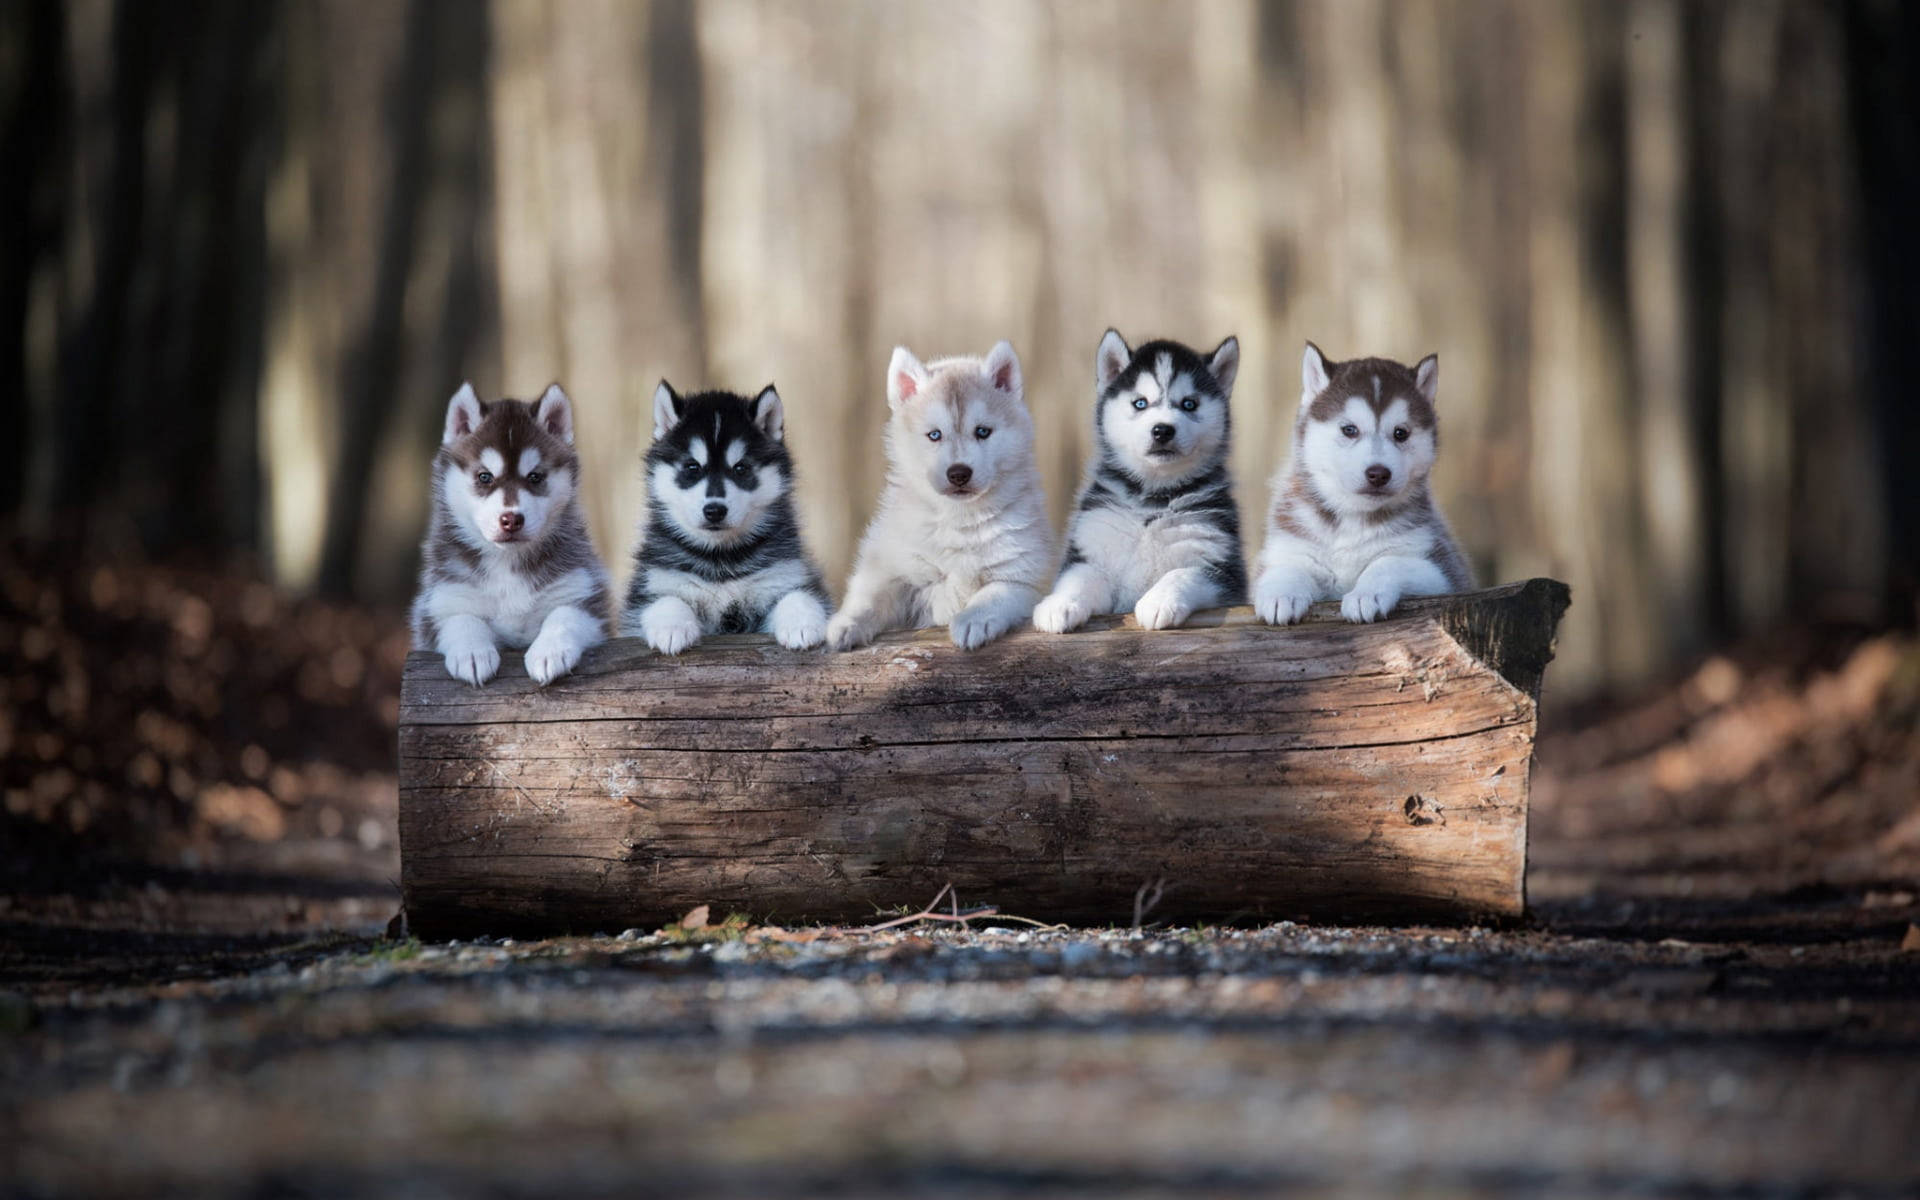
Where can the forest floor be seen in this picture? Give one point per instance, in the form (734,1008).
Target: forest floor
(1718,993)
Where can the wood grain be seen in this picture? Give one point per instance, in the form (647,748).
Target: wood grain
(1323,771)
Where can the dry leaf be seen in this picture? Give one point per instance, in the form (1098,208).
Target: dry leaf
(1911,943)
(697,919)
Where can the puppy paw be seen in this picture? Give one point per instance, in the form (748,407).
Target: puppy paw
(551,656)
(799,626)
(672,633)
(1060,613)
(1161,610)
(1277,606)
(1367,604)
(971,630)
(846,633)
(474,662)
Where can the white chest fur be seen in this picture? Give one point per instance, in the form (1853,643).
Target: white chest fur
(1134,547)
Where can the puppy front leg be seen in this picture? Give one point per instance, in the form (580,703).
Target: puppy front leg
(1386,581)
(1083,590)
(798,621)
(873,603)
(669,624)
(1174,597)
(1289,583)
(566,634)
(466,642)
(992,611)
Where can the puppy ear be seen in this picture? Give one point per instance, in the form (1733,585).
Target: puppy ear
(1315,373)
(1426,377)
(555,413)
(1109,360)
(668,408)
(1224,363)
(463,415)
(905,377)
(769,414)
(1002,368)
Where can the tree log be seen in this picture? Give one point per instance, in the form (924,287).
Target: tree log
(1333,771)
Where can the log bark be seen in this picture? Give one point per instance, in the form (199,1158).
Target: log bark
(1332,771)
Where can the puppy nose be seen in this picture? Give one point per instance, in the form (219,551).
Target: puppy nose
(1378,475)
(958,474)
(512,521)
(1162,434)
(714,513)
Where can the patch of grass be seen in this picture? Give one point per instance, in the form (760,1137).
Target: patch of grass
(730,930)
(396,951)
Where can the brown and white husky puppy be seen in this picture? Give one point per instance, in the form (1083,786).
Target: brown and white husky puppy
(961,536)
(507,560)
(1353,516)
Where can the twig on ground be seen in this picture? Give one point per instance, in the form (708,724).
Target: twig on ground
(1145,898)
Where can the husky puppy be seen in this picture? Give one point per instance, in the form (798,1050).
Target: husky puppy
(961,535)
(1352,516)
(1156,529)
(507,560)
(720,549)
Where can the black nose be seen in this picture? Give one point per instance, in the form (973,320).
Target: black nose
(512,521)
(958,474)
(1162,434)
(714,513)
(1378,475)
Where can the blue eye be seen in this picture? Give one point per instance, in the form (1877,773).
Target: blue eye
(483,478)
(1140,403)
(933,435)
(1189,404)
(1351,431)
(536,478)
(982,432)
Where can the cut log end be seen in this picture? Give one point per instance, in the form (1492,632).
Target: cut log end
(1330,771)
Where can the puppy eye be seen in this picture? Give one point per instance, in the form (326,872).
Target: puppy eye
(744,469)
(982,432)
(690,465)
(1401,433)
(536,478)
(933,435)
(1189,404)
(484,478)
(1140,403)
(1350,430)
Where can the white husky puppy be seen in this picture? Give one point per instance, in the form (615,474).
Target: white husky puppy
(507,560)
(961,535)
(1156,530)
(1353,517)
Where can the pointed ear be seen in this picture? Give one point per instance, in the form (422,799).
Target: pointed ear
(905,377)
(1109,360)
(1224,362)
(1315,374)
(769,414)
(1002,368)
(555,413)
(463,415)
(668,408)
(1426,377)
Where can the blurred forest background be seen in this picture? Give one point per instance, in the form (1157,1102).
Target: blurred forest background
(1665,250)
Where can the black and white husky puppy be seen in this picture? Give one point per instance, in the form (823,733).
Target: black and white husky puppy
(507,560)
(720,548)
(1156,531)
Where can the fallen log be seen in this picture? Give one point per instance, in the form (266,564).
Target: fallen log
(1324,771)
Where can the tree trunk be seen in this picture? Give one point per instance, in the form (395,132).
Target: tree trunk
(1347,772)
